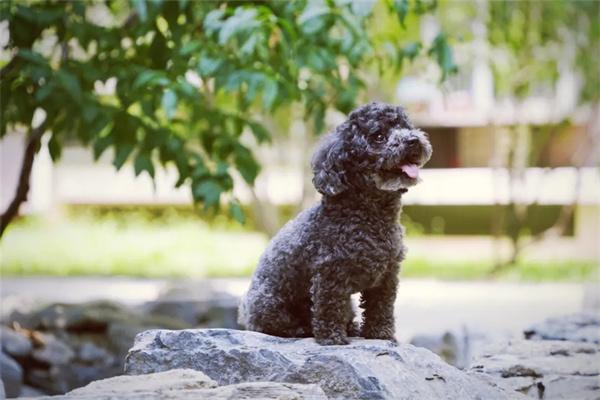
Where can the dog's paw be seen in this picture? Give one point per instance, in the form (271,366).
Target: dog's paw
(381,334)
(333,341)
(353,329)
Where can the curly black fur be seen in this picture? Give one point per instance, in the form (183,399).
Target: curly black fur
(350,242)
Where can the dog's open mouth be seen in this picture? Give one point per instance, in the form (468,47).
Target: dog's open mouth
(407,170)
(398,176)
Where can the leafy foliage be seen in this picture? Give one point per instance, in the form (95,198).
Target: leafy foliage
(189,78)
(533,40)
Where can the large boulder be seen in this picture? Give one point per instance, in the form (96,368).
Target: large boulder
(582,327)
(364,369)
(543,369)
(185,384)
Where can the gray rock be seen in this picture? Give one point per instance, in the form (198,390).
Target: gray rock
(206,314)
(452,349)
(12,375)
(51,380)
(543,369)
(28,391)
(583,327)
(14,343)
(96,316)
(200,304)
(92,353)
(183,384)
(365,369)
(53,351)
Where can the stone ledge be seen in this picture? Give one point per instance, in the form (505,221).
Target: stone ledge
(364,369)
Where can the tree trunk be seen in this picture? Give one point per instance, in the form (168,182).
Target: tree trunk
(22,191)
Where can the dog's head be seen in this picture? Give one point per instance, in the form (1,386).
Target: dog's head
(376,148)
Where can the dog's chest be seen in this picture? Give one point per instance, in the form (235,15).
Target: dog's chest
(370,252)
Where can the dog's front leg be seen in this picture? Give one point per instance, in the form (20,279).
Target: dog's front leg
(329,313)
(378,303)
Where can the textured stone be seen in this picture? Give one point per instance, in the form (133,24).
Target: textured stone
(12,375)
(364,369)
(583,327)
(14,343)
(53,351)
(95,316)
(183,384)
(91,353)
(448,346)
(199,304)
(28,391)
(543,369)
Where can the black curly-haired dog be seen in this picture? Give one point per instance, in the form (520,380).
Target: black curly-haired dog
(350,242)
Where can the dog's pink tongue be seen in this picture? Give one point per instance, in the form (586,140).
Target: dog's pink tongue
(411,170)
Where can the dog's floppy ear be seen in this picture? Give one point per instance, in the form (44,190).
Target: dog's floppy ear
(327,166)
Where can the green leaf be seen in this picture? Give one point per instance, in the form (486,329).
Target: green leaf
(159,52)
(190,47)
(101,144)
(186,89)
(270,94)
(32,56)
(411,50)
(54,148)
(401,7)
(212,21)
(208,65)
(314,9)
(70,84)
(169,103)
(42,93)
(143,162)
(363,8)
(236,212)
(259,131)
(150,78)
(442,51)
(246,164)
(89,112)
(207,191)
(121,155)
(243,20)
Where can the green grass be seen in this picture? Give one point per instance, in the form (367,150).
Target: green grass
(523,271)
(85,245)
(180,245)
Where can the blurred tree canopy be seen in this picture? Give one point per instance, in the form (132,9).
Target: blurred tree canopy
(533,44)
(189,77)
(533,41)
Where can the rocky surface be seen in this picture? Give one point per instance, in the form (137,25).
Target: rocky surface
(365,369)
(14,343)
(543,369)
(185,384)
(12,375)
(582,327)
(60,347)
(197,304)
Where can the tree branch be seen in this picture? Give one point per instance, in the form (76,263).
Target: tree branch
(23,184)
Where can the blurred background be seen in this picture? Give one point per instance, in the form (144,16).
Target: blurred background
(150,149)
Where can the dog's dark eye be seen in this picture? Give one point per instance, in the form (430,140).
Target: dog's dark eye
(379,138)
